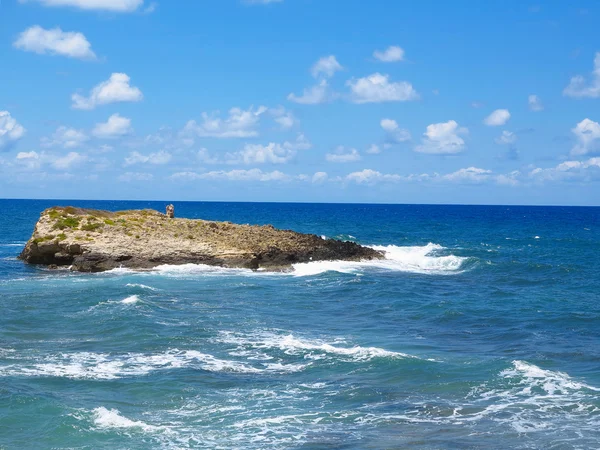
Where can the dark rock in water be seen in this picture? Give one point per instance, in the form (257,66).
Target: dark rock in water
(95,241)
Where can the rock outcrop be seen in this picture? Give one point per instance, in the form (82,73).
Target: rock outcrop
(94,241)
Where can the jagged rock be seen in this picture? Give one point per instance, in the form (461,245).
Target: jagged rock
(95,241)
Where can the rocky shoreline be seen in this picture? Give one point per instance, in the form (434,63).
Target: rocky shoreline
(88,240)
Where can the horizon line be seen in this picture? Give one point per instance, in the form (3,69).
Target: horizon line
(303,202)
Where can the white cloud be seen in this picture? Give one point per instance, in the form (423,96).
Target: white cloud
(239,124)
(272,153)
(326,66)
(377,88)
(33,161)
(506,138)
(587,133)
(535,103)
(204,156)
(166,138)
(319,177)
(55,42)
(343,155)
(116,126)
(391,54)
(389,125)
(374,149)
(29,161)
(68,161)
(28,155)
(284,118)
(468,175)
(285,122)
(509,179)
(313,95)
(65,137)
(497,118)
(588,170)
(369,176)
(301,143)
(184,176)
(10,131)
(579,88)
(395,134)
(100,5)
(115,89)
(244,175)
(443,138)
(136,176)
(157,158)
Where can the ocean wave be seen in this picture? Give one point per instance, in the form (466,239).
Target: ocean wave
(127,301)
(552,383)
(142,286)
(523,397)
(132,299)
(201,269)
(428,259)
(308,348)
(529,399)
(112,418)
(414,259)
(104,366)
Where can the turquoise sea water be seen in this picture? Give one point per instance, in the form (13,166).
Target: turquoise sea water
(480,330)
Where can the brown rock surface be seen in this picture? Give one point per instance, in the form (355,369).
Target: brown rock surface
(93,241)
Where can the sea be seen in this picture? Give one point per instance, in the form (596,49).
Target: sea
(480,329)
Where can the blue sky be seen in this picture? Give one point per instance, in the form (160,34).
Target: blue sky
(301,100)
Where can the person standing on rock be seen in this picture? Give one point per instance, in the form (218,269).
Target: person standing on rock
(170,211)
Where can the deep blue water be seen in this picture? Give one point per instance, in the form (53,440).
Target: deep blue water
(481,330)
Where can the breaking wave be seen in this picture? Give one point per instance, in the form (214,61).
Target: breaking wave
(104,366)
(523,397)
(430,259)
(112,418)
(314,349)
(425,259)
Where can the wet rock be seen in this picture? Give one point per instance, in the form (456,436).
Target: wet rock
(96,241)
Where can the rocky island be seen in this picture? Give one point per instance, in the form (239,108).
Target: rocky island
(89,240)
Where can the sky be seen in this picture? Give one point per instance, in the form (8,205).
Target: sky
(383,101)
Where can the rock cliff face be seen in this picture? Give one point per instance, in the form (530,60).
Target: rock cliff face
(94,241)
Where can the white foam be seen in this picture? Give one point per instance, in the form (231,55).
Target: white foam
(534,399)
(311,348)
(415,259)
(199,269)
(6,352)
(119,271)
(132,299)
(551,382)
(141,286)
(112,418)
(103,366)
(426,259)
